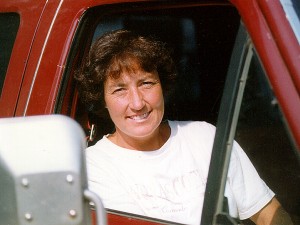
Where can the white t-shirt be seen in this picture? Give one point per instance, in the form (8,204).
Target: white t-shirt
(169,183)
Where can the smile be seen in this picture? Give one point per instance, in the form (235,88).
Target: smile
(140,117)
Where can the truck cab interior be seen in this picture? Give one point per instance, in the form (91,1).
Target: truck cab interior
(201,38)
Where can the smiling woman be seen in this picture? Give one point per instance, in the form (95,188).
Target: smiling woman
(151,166)
(129,74)
(136,106)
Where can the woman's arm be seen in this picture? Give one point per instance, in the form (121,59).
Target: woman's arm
(272,214)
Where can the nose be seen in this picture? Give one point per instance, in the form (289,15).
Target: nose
(136,99)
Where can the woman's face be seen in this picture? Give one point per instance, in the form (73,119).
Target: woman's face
(135,103)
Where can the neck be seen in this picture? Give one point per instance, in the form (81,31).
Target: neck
(153,142)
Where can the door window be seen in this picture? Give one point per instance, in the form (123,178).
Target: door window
(9,24)
(251,115)
(292,10)
(262,132)
(202,39)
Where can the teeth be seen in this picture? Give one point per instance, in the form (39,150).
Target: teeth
(140,117)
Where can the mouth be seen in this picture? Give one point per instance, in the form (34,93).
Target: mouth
(139,117)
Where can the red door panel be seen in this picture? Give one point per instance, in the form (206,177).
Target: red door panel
(29,12)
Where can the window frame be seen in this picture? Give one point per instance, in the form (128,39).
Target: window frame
(213,212)
(81,46)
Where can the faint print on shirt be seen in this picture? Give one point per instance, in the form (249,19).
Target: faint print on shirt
(171,197)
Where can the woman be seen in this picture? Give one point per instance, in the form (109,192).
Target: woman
(148,165)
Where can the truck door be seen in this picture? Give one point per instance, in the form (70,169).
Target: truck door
(18,24)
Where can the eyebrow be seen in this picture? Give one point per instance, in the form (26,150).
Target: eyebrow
(118,82)
(115,85)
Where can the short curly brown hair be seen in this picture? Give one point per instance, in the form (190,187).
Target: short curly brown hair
(112,53)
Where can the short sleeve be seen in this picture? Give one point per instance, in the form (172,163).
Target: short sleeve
(247,192)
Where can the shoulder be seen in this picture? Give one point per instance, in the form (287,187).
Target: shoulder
(99,151)
(193,127)
(96,147)
(189,123)
(101,160)
(196,136)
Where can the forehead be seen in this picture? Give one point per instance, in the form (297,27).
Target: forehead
(127,69)
(131,75)
(123,64)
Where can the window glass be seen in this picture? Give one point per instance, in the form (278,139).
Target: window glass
(292,10)
(262,133)
(296,5)
(9,24)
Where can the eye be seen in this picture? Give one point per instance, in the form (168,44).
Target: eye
(118,90)
(148,84)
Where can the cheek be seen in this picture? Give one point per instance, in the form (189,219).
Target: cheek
(157,99)
(114,106)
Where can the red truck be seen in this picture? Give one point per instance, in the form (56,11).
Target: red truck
(238,64)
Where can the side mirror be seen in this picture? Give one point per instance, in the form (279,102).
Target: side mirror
(43,174)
